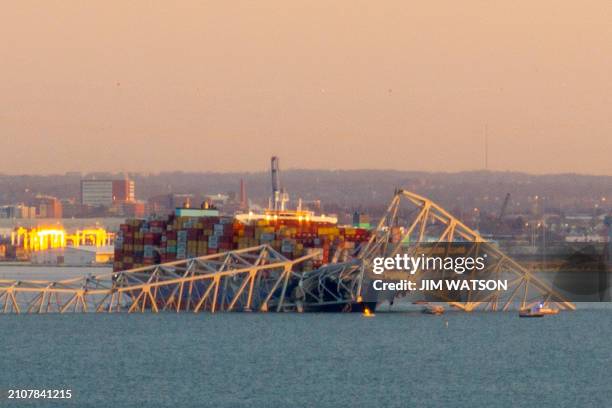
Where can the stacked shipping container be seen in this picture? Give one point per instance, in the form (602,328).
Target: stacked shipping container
(142,242)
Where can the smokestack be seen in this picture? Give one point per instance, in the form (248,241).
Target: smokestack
(274,169)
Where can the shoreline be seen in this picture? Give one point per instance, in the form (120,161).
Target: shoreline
(33,265)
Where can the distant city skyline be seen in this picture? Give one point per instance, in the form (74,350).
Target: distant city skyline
(217,86)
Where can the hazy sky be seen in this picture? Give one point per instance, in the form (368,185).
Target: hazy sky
(203,85)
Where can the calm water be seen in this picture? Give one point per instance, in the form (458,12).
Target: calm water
(279,360)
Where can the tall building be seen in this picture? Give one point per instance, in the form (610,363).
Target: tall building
(97,192)
(123,191)
(107,192)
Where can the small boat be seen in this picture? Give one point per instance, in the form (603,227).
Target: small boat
(531,312)
(538,311)
(434,310)
(420,302)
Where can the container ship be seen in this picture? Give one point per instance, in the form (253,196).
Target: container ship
(195,232)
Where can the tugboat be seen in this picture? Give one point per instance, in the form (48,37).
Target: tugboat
(537,311)
(531,312)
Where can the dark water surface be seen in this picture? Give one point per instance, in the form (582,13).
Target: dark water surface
(301,360)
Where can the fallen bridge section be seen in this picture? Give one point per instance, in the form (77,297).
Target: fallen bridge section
(252,279)
(415,225)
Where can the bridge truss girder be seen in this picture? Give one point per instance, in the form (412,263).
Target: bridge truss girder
(252,279)
(413,224)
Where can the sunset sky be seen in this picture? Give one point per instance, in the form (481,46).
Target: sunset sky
(222,85)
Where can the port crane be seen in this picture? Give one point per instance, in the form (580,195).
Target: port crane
(42,238)
(261,279)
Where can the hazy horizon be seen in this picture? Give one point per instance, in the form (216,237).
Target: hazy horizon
(220,87)
(294,169)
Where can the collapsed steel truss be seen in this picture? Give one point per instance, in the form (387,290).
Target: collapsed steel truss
(414,224)
(252,279)
(261,279)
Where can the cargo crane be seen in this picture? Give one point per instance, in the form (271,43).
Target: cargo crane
(43,238)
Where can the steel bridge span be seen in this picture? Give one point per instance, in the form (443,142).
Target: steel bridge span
(261,279)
